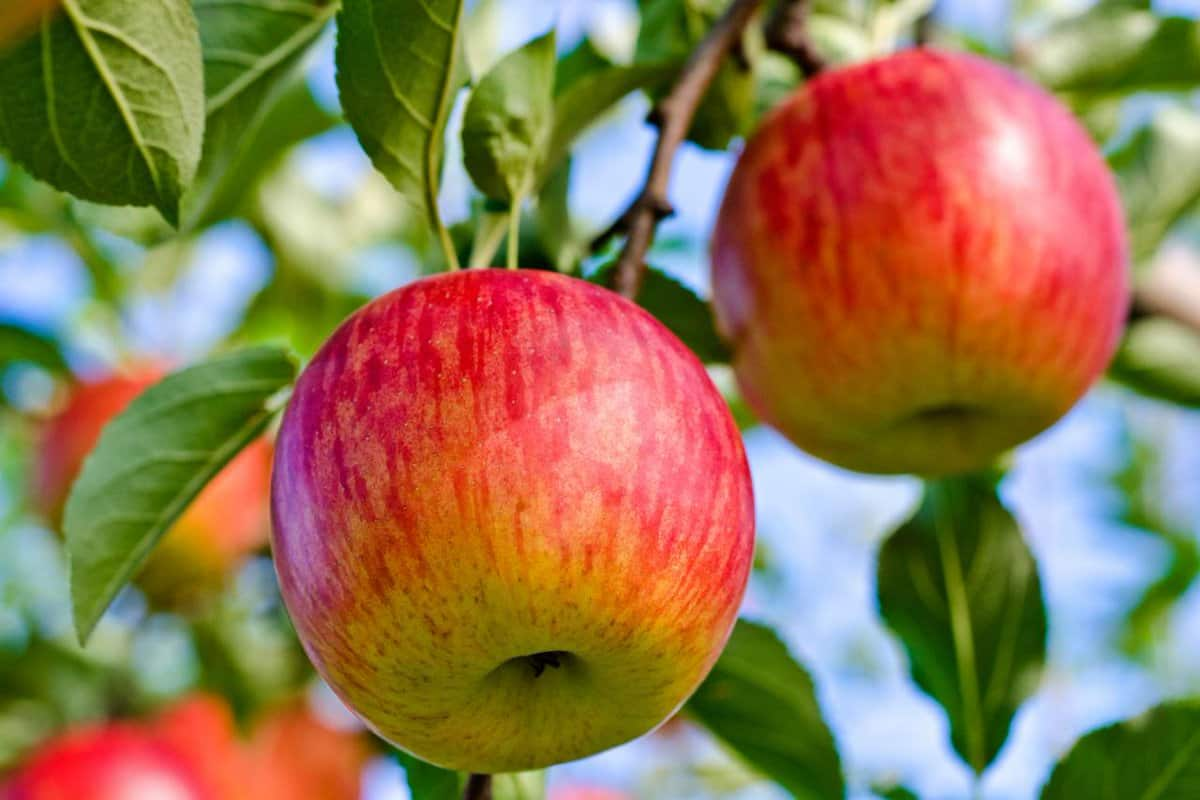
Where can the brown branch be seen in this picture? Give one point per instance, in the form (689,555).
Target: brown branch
(479,787)
(926,27)
(1170,289)
(673,116)
(787,33)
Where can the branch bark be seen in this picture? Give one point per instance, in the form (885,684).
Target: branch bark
(479,787)
(673,116)
(787,33)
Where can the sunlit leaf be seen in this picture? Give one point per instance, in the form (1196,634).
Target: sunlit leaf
(761,703)
(152,461)
(106,102)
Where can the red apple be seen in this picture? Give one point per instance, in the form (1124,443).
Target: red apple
(921,262)
(202,730)
(512,519)
(113,762)
(294,755)
(587,793)
(227,521)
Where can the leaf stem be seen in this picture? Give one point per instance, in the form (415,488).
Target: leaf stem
(513,260)
(479,787)
(787,33)
(673,116)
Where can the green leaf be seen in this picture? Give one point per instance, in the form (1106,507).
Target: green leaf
(671,30)
(1152,757)
(20,346)
(1160,358)
(896,793)
(1158,172)
(677,307)
(153,459)
(398,71)
(427,782)
(587,96)
(959,587)
(508,120)
(251,49)
(107,102)
(762,704)
(1116,49)
(555,230)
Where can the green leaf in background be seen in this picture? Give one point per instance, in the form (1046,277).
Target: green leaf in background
(670,30)
(1117,49)
(1152,757)
(21,346)
(107,102)
(584,95)
(762,704)
(959,587)
(555,231)
(1158,171)
(251,48)
(153,459)
(398,70)
(427,782)
(508,120)
(680,309)
(1160,358)
(895,793)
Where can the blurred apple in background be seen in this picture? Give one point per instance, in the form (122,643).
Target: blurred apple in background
(587,793)
(513,520)
(296,755)
(119,761)
(19,18)
(921,262)
(225,523)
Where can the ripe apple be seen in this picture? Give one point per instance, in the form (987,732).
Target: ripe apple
(111,762)
(293,754)
(921,262)
(587,793)
(512,519)
(227,521)
(202,730)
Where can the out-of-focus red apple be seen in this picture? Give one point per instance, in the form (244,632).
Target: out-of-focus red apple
(201,729)
(19,18)
(512,518)
(113,762)
(292,754)
(227,521)
(921,262)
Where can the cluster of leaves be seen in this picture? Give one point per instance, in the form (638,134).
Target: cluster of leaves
(191,103)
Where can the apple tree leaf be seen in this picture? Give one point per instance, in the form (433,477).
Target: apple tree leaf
(1158,171)
(959,587)
(21,346)
(398,70)
(251,49)
(427,782)
(106,101)
(761,703)
(1153,756)
(1117,49)
(153,459)
(508,121)
(1160,358)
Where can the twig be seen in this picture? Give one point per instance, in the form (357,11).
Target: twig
(1170,289)
(479,787)
(787,33)
(673,116)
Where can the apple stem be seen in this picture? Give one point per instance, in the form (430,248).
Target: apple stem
(479,787)
(787,33)
(673,117)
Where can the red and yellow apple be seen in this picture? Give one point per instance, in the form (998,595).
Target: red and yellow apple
(292,754)
(226,522)
(119,761)
(921,262)
(512,519)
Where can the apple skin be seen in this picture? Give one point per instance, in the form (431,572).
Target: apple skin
(489,465)
(587,793)
(295,755)
(921,262)
(227,520)
(112,762)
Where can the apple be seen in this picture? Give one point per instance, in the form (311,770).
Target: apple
(587,793)
(920,262)
(226,522)
(512,519)
(111,762)
(202,730)
(295,755)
